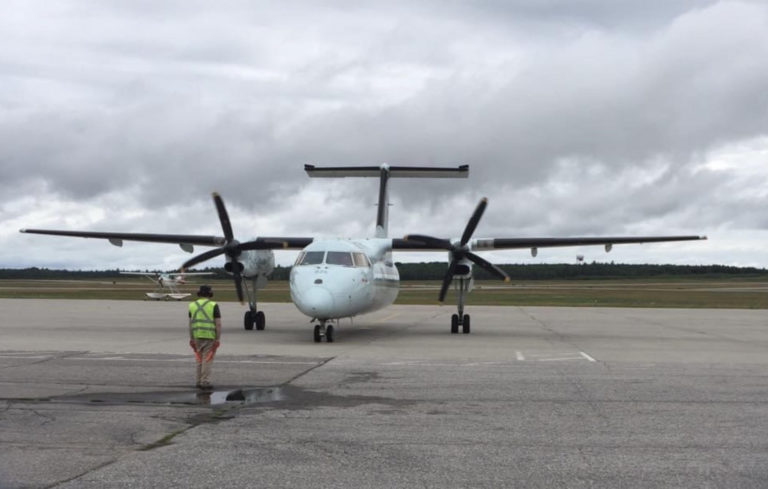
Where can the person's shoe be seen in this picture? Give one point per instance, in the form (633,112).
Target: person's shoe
(206,386)
(198,386)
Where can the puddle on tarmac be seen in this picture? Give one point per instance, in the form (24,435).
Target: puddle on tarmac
(212,398)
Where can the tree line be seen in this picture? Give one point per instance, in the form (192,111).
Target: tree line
(436,271)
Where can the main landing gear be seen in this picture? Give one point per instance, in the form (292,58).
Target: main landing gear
(323,331)
(252,316)
(461,319)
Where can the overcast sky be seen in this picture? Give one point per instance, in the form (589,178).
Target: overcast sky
(577,117)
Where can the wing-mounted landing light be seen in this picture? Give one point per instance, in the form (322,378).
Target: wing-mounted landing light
(232,248)
(460,251)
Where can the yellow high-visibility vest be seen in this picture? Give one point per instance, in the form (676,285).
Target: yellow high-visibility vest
(201,319)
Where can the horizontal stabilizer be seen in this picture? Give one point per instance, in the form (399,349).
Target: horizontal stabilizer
(393,171)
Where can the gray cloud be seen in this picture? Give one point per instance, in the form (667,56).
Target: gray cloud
(576,117)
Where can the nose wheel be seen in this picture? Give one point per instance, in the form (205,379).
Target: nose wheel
(323,331)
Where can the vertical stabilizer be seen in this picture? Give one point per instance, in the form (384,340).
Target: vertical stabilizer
(382,214)
(385,172)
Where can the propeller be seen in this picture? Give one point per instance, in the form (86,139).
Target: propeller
(460,251)
(232,248)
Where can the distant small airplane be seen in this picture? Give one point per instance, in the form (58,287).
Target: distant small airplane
(340,278)
(168,281)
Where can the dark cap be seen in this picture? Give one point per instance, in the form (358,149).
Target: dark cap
(205,291)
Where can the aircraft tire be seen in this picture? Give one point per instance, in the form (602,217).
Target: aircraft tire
(465,324)
(329,334)
(318,338)
(248,320)
(454,324)
(261,321)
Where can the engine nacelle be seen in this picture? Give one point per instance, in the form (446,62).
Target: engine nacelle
(255,263)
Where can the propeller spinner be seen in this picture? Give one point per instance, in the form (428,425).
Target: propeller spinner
(460,251)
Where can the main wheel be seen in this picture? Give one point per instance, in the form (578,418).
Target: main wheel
(465,324)
(318,338)
(329,333)
(454,324)
(261,321)
(248,320)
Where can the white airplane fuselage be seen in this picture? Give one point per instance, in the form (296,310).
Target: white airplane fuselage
(341,278)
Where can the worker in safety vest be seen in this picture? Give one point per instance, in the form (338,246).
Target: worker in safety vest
(204,334)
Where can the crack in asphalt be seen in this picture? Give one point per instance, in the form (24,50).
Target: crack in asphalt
(52,356)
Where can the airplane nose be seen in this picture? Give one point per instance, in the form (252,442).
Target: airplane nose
(317,301)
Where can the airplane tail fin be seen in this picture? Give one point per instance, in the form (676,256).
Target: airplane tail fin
(384,173)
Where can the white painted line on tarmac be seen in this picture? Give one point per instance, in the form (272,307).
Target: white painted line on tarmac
(587,357)
(552,356)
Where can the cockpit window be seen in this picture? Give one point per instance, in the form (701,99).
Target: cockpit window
(310,258)
(343,258)
(361,260)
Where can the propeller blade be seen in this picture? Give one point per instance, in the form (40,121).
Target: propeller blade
(238,284)
(472,224)
(429,241)
(447,280)
(488,266)
(226,226)
(201,258)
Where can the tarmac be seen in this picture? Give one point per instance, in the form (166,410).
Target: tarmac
(99,394)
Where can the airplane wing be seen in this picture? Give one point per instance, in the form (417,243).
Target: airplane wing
(480,244)
(185,241)
(464,248)
(226,245)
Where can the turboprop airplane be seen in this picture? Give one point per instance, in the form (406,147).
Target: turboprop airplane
(339,278)
(169,281)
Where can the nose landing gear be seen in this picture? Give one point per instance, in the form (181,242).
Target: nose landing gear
(323,331)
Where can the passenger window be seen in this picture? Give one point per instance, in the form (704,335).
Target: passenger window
(361,260)
(310,258)
(339,258)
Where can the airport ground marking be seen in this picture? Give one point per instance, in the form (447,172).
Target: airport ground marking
(552,356)
(587,357)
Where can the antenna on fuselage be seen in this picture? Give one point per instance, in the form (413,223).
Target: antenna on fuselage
(385,172)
